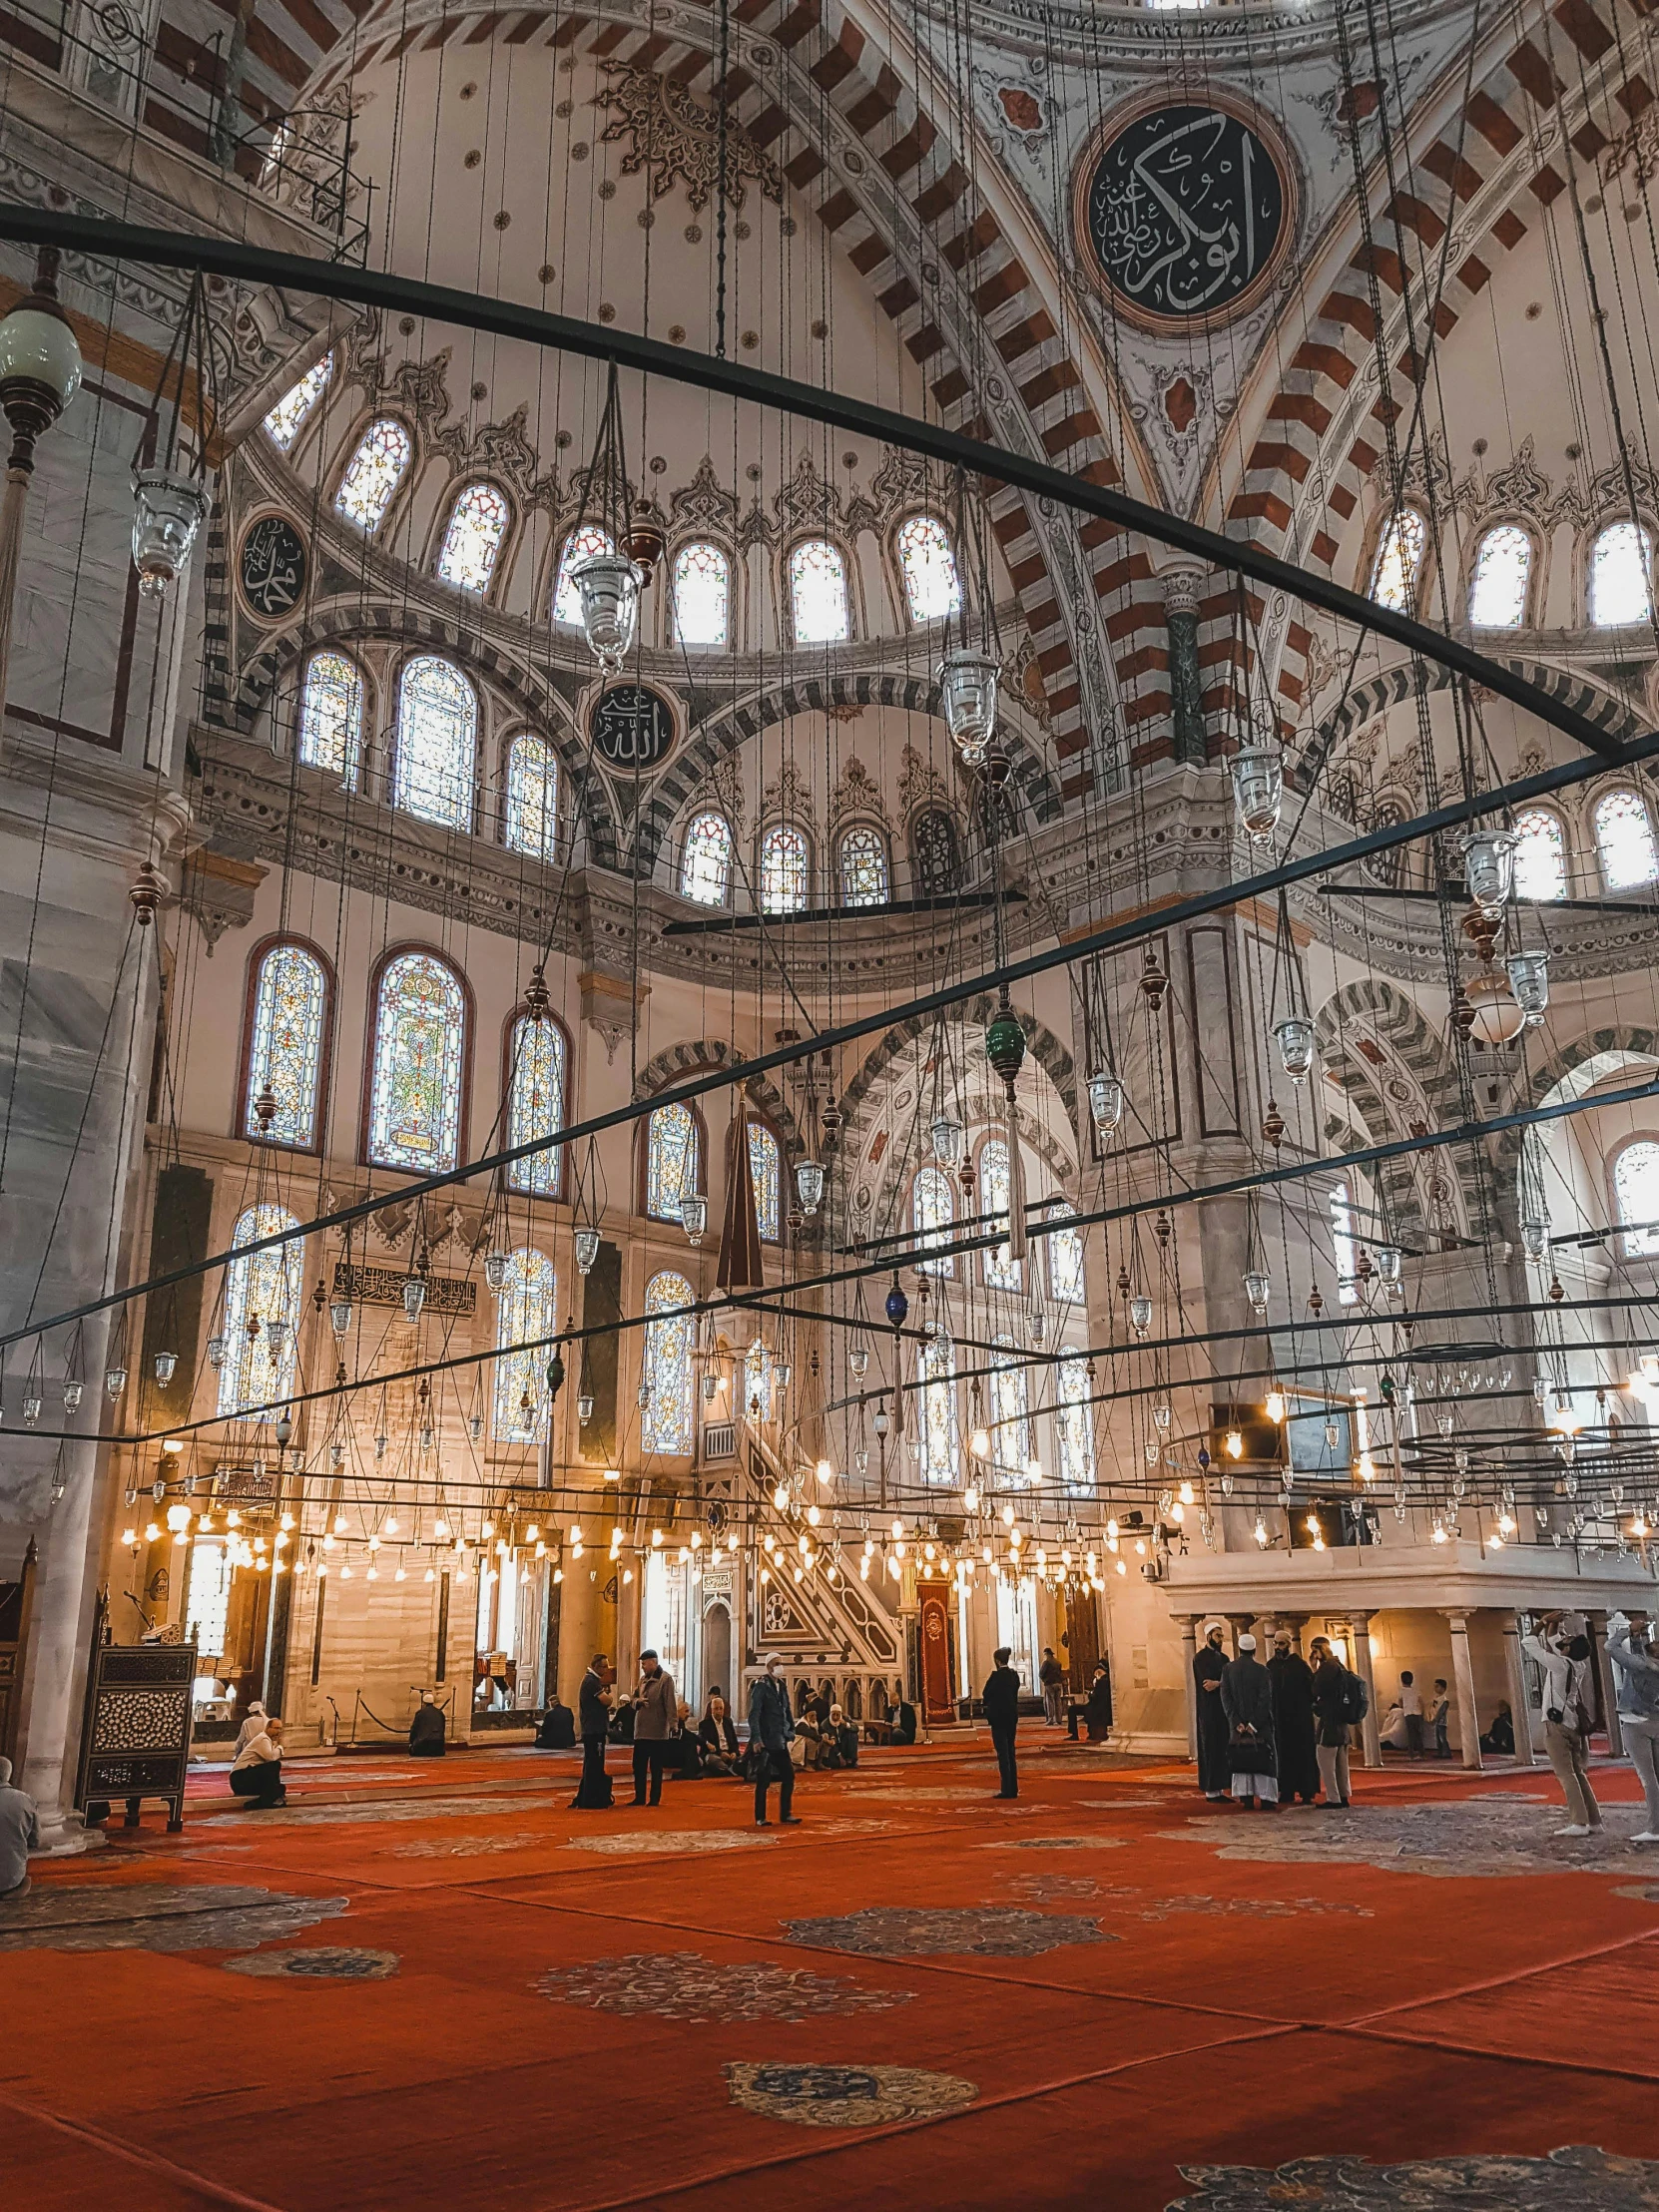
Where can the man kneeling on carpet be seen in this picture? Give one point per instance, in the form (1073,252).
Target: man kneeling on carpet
(19,1834)
(258,1772)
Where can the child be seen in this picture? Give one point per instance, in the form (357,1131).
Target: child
(1411,1704)
(1439,1715)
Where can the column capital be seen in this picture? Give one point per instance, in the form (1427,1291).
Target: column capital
(1459,1615)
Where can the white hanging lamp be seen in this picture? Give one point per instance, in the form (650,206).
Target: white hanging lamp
(40,373)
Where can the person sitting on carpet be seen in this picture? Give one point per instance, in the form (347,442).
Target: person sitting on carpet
(622,1720)
(253,1726)
(684,1753)
(771,1733)
(807,1745)
(558,1727)
(258,1772)
(1391,1734)
(904,1728)
(717,1740)
(843,1737)
(1246,1700)
(428,1729)
(1499,1739)
(19,1834)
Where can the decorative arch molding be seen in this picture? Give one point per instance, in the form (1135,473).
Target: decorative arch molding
(1045,1048)
(1625,1041)
(693,1058)
(1397,1026)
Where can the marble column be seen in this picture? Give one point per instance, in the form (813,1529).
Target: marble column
(1514,1668)
(1183,588)
(1606,1675)
(1358,1639)
(1189,1653)
(1463,1671)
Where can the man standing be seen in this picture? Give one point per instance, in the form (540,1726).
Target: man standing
(1332,1702)
(1293,1721)
(1410,1709)
(1246,1700)
(1439,1717)
(1209,1666)
(771,1732)
(1001,1704)
(593,1709)
(655,1718)
(1052,1676)
(19,1834)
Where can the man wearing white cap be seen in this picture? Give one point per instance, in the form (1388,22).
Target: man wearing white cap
(1247,1699)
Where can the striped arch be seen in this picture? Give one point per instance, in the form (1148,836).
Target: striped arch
(1376,1013)
(1569,1069)
(1045,1048)
(681,1060)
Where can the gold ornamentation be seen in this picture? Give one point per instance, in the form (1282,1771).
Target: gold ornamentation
(673,137)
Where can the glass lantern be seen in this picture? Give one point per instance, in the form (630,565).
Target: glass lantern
(115,1381)
(169,509)
(587,1250)
(1258,788)
(166,1365)
(1387,1264)
(1489,868)
(809,1185)
(1529,982)
(858,1360)
(1535,1231)
(1256,1289)
(340,1315)
(1140,1313)
(495,1269)
(946,1134)
(1106,1100)
(968,699)
(1294,1038)
(694,1216)
(608,586)
(414,1297)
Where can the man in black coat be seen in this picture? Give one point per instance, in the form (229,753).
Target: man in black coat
(771,1732)
(1293,1721)
(1209,1665)
(1001,1703)
(593,1713)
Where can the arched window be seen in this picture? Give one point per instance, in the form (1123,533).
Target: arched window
(528,1310)
(434,748)
(702,595)
(1399,564)
(291,412)
(817,594)
(290,1009)
(705,863)
(1001,1269)
(1624,840)
(373,473)
(933,1214)
(263,1293)
(1343,1248)
(1502,569)
(567,600)
(331,715)
(536,1102)
(1073,1425)
(1540,854)
(1621,571)
(1010,1415)
(941,1440)
(477,525)
(764,1173)
(784,869)
(673,1170)
(532,811)
(864,862)
(1636,1190)
(936,854)
(419,1057)
(1066,1257)
(928,565)
(666,1425)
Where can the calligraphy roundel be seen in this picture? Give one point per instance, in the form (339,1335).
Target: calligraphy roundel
(1185,209)
(271,567)
(633,727)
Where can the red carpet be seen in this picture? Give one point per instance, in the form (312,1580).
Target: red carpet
(918,1996)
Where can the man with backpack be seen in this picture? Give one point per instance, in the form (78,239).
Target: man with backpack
(1340,1703)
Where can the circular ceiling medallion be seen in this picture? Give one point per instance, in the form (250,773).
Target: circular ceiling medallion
(633,728)
(271,567)
(1184,209)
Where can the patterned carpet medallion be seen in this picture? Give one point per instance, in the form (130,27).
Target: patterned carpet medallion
(374,1809)
(1573,2180)
(845,2096)
(684,1986)
(922,1932)
(328,1962)
(155,1916)
(676,1839)
(1489,1837)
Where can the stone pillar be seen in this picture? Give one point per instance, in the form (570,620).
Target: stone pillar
(1463,1671)
(1182,586)
(1514,1669)
(1189,1653)
(1596,1624)
(1359,1637)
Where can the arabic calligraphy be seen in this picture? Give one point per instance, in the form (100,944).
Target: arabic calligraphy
(633,727)
(1185,211)
(272,567)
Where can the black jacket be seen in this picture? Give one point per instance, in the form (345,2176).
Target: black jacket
(1001,1697)
(595,1713)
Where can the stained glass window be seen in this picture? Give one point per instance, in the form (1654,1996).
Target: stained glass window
(1636,1187)
(784,869)
(528,1309)
(290,414)
(1498,591)
(291,1004)
(1540,854)
(1398,562)
(1621,569)
(702,595)
(706,865)
(536,1102)
(433,753)
(1066,1257)
(933,1214)
(1010,1415)
(928,565)
(863,858)
(1624,840)
(477,525)
(1073,1425)
(567,600)
(764,1170)
(1343,1248)
(817,594)
(532,811)
(942,1443)
(672,1167)
(262,1314)
(1001,1269)
(331,715)
(666,1425)
(420,1050)
(375,473)
(208,1609)
(936,854)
